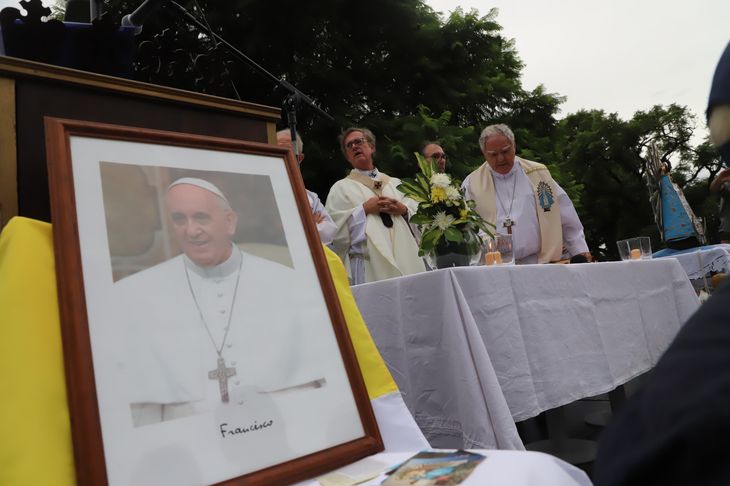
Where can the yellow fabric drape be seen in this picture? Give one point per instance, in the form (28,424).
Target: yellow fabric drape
(35,434)
(35,431)
(376,375)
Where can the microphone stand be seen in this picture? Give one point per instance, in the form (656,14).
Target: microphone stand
(291,102)
(96,10)
(294,97)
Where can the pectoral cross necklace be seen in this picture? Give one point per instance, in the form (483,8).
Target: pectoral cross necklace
(221,372)
(508,221)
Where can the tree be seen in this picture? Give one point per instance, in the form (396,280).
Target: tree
(399,69)
(606,156)
(592,146)
(406,134)
(388,65)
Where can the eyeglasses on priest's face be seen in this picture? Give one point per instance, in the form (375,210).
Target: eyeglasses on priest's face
(438,156)
(355,142)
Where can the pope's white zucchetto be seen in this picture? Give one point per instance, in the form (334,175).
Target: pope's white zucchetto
(203,184)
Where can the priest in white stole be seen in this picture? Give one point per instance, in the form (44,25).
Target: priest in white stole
(373,236)
(523,200)
(213,328)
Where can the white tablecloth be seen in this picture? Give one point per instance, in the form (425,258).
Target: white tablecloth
(500,468)
(474,348)
(703,260)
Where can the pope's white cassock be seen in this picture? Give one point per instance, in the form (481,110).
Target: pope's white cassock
(177,313)
(370,250)
(541,229)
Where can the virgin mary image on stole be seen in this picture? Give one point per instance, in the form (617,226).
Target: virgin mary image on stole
(215,328)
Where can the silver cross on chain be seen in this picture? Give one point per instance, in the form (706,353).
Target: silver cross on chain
(221,373)
(508,221)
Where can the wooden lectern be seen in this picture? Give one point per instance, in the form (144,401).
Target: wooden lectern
(30,90)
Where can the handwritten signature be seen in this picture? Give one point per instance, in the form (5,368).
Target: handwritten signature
(255,426)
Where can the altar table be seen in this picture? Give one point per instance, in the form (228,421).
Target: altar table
(700,261)
(474,349)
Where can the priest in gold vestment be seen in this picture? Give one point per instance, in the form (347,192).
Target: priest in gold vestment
(521,198)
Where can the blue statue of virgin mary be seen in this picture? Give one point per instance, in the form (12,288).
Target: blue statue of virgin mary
(678,225)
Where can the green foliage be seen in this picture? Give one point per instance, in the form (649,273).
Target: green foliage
(411,131)
(605,155)
(395,67)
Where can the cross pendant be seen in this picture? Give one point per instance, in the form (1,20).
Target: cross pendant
(508,223)
(221,373)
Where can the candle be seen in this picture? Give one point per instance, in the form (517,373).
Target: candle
(635,254)
(493,258)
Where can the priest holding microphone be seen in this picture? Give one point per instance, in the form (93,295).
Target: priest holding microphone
(373,237)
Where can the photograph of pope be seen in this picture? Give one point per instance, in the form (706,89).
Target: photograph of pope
(214,327)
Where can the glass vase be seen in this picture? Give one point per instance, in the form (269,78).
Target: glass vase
(448,254)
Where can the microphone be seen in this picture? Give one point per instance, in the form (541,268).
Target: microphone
(140,15)
(578,259)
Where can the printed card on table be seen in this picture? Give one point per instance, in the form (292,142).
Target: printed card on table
(430,468)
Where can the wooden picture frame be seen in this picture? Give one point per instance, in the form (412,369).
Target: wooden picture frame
(141,325)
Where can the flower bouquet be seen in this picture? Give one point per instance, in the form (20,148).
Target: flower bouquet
(450,227)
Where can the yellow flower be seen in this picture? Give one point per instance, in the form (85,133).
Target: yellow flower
(463,213)
(438,194)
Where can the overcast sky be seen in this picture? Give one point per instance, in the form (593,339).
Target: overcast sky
(617,55)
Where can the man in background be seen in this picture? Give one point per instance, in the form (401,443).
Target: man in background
(434,152)
(721,185)
(325,226)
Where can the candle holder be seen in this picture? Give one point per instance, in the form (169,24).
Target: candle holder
(635,248)
(498,250)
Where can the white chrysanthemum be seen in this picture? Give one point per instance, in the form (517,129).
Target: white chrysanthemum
(440,180)
(452,193)
(443,220)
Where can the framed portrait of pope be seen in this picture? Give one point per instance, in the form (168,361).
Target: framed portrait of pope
(203,339)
